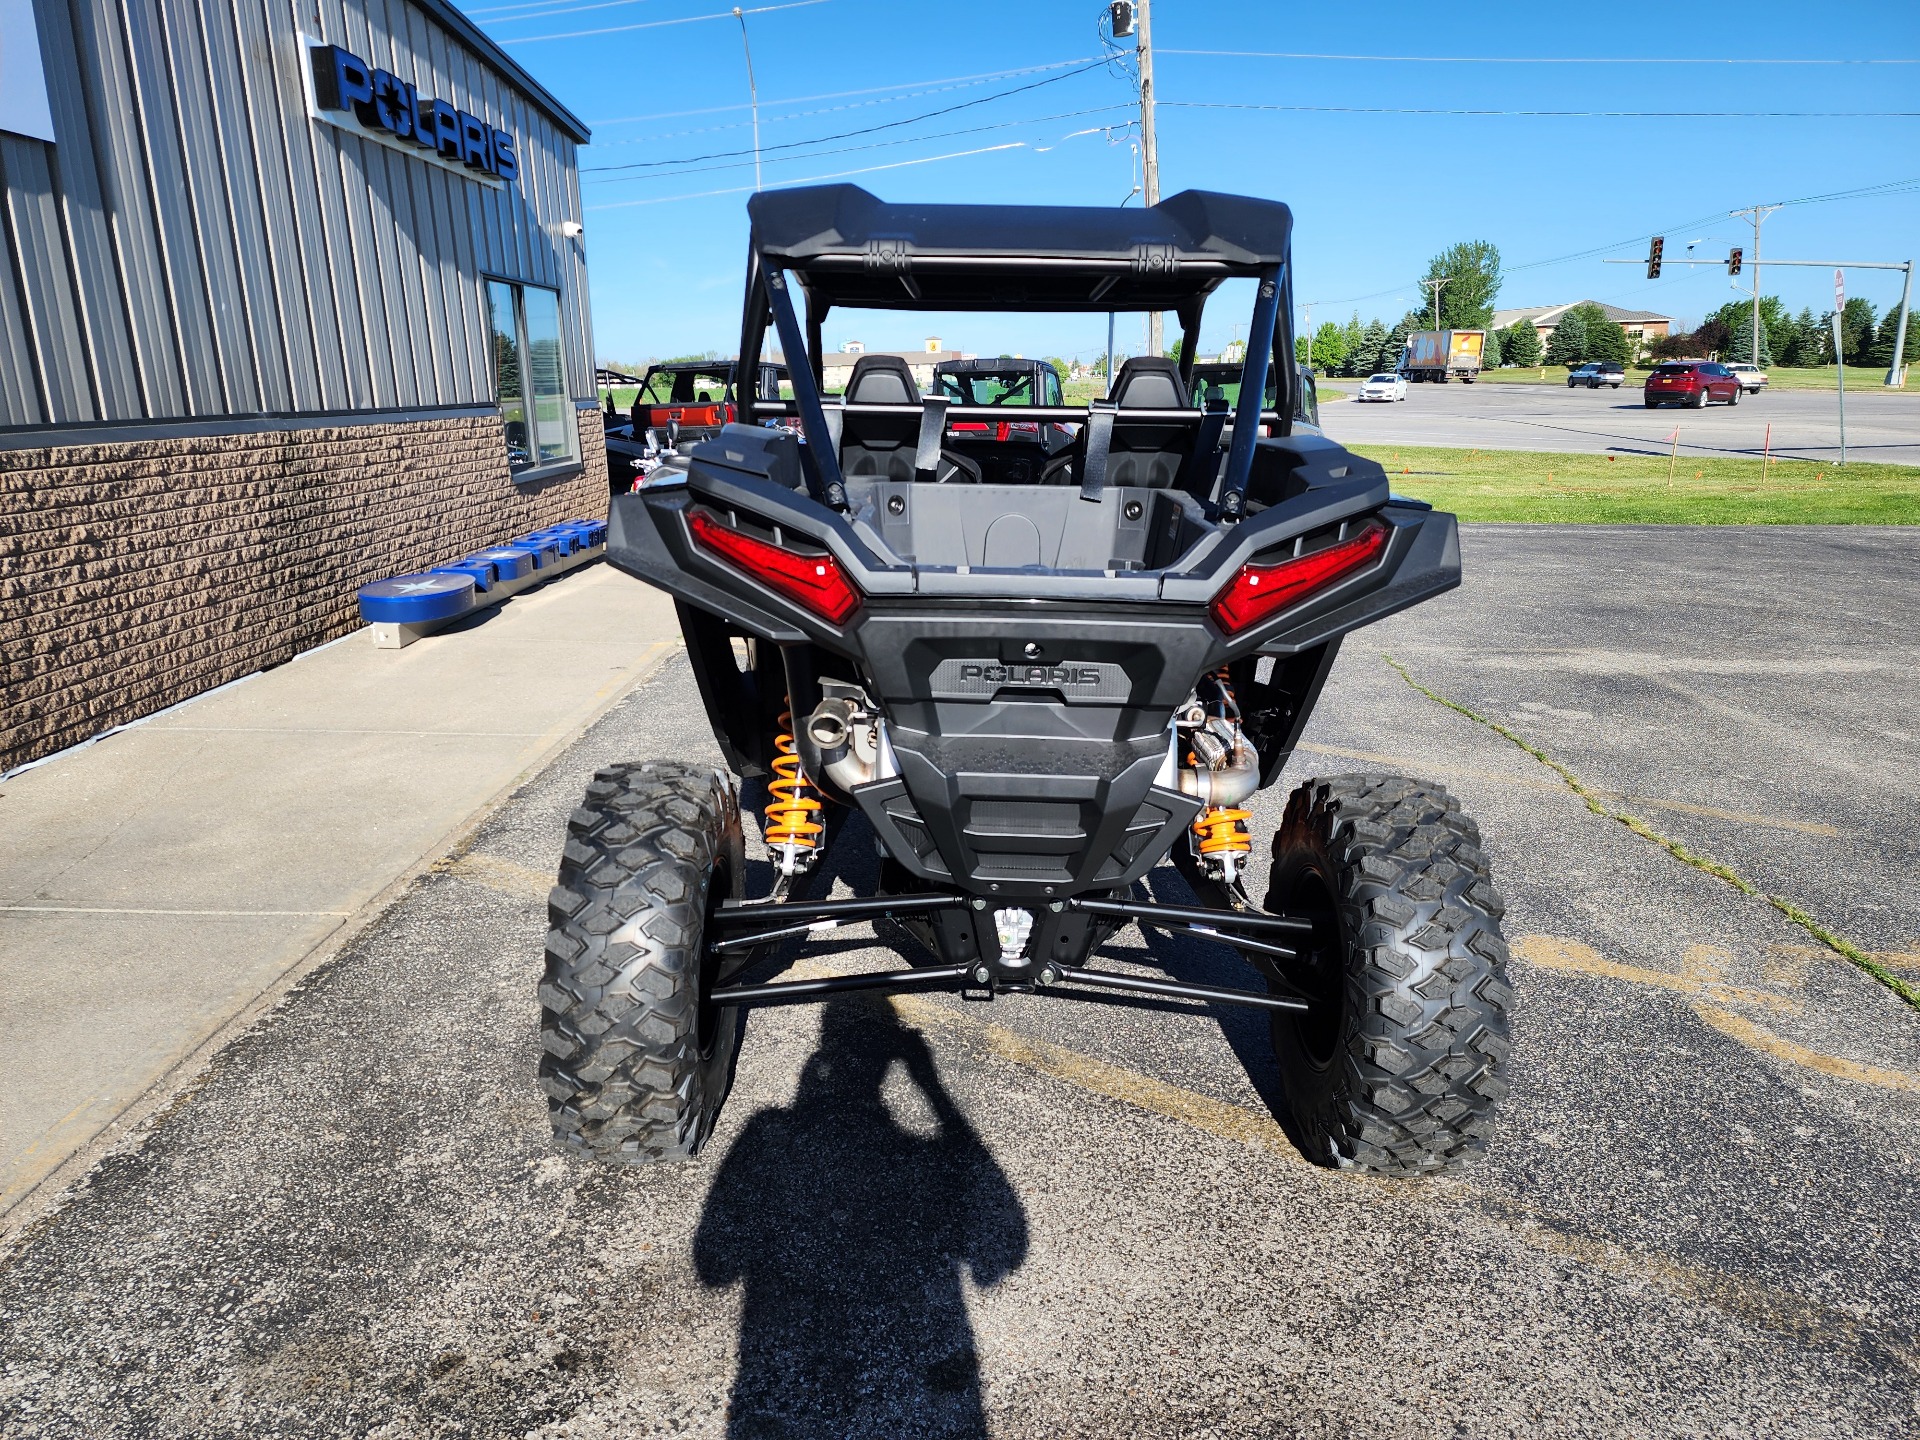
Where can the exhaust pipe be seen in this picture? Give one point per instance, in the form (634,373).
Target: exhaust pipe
(841,745)
(1232,770)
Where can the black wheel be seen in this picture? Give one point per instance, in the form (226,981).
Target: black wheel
(1700,401)
(1734,398)
(637,1064)
(1398,1067)
(1652,404)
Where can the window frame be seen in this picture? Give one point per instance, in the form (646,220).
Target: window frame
(537,470)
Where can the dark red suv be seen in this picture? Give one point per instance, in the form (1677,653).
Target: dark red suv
(1692,382)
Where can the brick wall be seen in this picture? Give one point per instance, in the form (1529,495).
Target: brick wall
(136,574)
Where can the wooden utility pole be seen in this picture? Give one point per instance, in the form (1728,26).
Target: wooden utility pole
(1149,148)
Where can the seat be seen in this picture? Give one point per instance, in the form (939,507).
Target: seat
(880,445)
(1147,454)
(886,446)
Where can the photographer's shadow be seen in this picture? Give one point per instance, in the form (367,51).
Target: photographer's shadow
(849,1233)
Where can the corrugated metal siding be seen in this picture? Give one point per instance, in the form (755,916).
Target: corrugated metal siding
(194,245)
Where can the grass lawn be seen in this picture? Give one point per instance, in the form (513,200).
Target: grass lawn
(1560,488)
(1860,379)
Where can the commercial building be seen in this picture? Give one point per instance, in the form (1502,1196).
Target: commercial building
(1643,327)
(291,298)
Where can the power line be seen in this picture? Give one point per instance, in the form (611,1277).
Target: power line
(875,145)
(794,114)
(1557,114)
(1884,187)
(849,134)
(657,24)
(923,87)
(811,179)
(552,7)
(1519,59)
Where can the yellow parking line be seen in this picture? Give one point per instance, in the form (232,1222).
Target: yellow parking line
(1550,952)
(1699,978)
(1202,1112)
(1768,1043)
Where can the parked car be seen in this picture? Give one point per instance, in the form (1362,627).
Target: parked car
(1604,372)
(1751,377)
(1383,386)
(1692,382)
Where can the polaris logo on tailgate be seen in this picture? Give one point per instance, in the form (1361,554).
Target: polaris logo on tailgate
(982,679)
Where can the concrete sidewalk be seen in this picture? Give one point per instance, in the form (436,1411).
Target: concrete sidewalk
(165,882)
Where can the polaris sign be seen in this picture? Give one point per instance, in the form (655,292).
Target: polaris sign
(346,91)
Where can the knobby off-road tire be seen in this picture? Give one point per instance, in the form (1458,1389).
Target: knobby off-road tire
(1399,1066)
(636,1065)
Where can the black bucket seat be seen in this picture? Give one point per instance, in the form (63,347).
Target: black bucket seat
(885,446)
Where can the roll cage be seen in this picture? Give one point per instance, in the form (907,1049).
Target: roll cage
(843,247)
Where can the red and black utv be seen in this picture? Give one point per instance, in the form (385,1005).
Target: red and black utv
(1028,695)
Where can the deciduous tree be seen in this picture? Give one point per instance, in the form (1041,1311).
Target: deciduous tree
(1472,272)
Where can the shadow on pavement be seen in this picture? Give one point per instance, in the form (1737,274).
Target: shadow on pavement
(850,1232)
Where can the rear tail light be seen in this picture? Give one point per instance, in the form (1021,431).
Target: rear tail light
(1261,591)
(813,582)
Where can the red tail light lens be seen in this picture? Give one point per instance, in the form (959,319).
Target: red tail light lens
(813,582)
(1261,591)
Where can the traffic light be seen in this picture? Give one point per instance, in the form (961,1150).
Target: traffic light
(1733,261)
(1653,257)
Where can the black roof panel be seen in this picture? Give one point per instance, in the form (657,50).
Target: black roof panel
(851,248)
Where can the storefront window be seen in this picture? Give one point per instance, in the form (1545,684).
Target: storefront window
(530,374)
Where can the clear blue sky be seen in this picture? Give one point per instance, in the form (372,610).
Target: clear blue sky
(1373,195)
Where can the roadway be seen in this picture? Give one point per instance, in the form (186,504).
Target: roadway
(1701,1214)
(1881,426)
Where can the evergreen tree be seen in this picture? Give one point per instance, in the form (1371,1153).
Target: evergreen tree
(1808,347)
(1396,345)
(1856,330)
(1520,343)
(1373,340)
(1352,336)
(1740,345)
(1568,344)
(1605,339)
(1881,352)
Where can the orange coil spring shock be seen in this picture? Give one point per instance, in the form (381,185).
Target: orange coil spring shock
(790,825)
(1222,830)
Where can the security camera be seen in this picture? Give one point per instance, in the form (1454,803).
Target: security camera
(572,229)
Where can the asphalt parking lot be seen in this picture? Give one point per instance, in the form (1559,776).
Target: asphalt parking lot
(1701,1215)
(1881,427)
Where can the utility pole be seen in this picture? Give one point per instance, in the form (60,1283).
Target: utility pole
(1756,213)
(1896,375)
(1435,285)
(1150,147)
(753,91)
(1307,325)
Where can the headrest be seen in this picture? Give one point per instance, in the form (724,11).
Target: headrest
(882,380)
(1148,382)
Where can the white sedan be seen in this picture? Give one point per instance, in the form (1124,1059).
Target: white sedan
(1383,387)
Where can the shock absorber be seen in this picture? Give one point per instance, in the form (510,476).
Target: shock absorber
(1220,832)
(1220,835)
(792,832)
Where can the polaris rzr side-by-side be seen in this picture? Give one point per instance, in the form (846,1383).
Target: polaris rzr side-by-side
(676,404)
(1031,694)
(1011,448)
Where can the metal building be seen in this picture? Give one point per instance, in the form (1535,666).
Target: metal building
(292,296)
